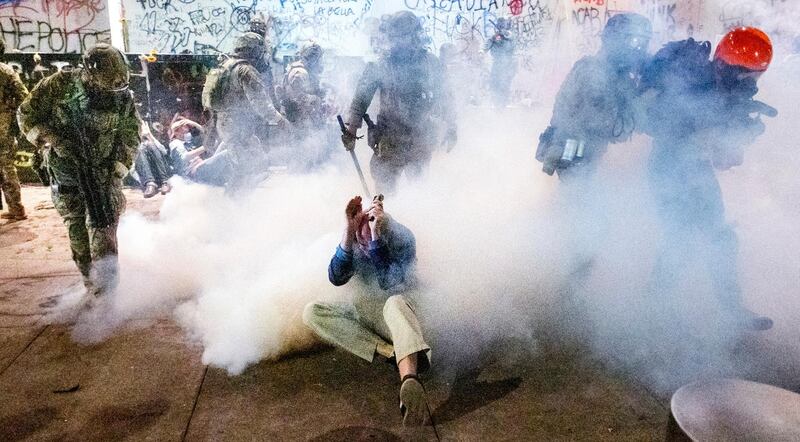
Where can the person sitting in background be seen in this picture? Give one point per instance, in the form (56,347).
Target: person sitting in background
(186,148)
(151,165)
(380,320)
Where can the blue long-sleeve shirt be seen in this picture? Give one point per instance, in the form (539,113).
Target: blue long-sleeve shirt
(389,261)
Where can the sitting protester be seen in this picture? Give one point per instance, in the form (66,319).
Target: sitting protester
(381,319)
(150,165)
(186,148)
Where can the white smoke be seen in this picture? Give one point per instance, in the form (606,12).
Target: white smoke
(497,242)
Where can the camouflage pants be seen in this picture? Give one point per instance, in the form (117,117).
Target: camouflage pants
(393,157)
(10,180)
(94,249)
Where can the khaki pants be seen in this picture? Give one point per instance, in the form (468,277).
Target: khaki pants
(370,320)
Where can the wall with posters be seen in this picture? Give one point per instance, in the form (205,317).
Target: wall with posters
(53,26)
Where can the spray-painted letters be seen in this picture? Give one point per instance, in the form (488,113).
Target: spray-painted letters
(206,26)
(53,25)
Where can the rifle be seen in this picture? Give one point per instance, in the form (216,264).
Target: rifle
(98,203)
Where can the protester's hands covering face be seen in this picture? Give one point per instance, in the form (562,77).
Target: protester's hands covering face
(353,214)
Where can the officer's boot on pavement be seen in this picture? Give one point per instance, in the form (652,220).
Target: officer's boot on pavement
(15,213)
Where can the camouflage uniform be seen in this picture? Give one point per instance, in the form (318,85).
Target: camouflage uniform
(12,92)
(76,126)
(302,93)
(302,100)
(413,96)
(246,108)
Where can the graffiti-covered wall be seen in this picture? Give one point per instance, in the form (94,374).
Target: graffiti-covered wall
(48,26)
(198,26)
(171,26)
(207,26)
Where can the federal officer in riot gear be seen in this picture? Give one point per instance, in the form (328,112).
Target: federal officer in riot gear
(701,114)
(12,92)
(414,98)
(302,92)
(501,47)
(236,93)
(596,104)
(85,122)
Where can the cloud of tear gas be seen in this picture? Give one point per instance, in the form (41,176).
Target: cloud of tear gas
(500,248)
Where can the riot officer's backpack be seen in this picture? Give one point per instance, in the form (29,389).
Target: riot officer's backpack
(217,84)
(681,64)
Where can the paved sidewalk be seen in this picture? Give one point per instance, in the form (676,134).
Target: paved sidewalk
(147,382)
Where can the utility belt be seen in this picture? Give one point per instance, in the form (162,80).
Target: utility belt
(376,133)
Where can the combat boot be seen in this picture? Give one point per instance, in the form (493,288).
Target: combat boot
(15,214)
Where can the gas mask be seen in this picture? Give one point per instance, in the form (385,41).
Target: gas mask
(105,77)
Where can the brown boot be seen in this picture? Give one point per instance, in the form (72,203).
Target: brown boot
(15,214)
(150,190)
(165,188)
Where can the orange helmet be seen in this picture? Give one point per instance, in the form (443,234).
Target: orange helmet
(745,47)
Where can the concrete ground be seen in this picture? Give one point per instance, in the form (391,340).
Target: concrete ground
(147,382)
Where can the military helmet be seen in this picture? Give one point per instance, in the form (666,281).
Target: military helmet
(250,46)
(628,31)
(311,53)
(403,23)
(258,25)
(106,68)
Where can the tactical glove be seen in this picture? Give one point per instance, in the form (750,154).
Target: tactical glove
(348,140)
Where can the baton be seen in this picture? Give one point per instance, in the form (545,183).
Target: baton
(355,160)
